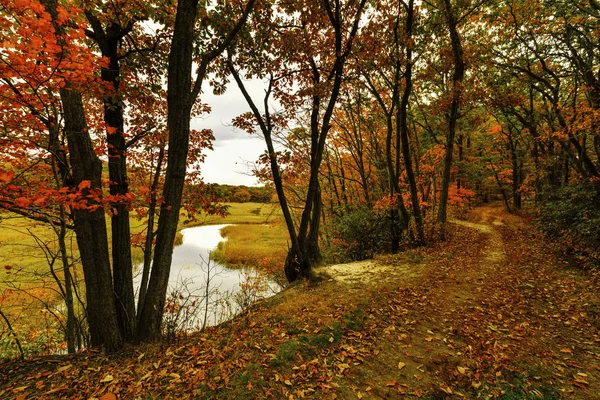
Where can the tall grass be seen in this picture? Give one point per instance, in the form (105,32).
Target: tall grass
(253,246)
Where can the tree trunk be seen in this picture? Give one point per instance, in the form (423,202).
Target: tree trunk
(150,231)
(179,105)
(108,40)
(457,79)
(90,227)
(402,127)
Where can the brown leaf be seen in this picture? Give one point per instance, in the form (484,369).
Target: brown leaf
(57,389)
(566,350)
(109,396)
(391,383)
(64,368)
(580,385)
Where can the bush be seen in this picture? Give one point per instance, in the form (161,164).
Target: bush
(572,214)
(358,235)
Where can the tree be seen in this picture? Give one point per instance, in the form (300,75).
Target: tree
(307,56)
(180,101)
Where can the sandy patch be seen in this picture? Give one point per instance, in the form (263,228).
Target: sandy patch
(368,271)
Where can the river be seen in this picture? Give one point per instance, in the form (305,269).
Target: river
(194,280)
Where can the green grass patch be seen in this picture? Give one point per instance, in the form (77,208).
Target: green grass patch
(256,246)
(286,354)
(245,382)
(355,321)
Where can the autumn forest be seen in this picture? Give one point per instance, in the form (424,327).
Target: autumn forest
(428,215)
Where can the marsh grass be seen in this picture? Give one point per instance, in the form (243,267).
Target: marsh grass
(242,213)
(255,246)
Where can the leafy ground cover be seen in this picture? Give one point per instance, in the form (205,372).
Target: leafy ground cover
(492,312)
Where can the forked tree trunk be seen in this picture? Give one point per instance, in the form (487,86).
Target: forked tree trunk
(402,127)
(90,227)
(179,111)
(108,40)
(181,95)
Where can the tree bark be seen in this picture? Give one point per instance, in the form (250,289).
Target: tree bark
(90,227)
(402,127)
(108,41)
(181,95)
(457,79)
(179,111)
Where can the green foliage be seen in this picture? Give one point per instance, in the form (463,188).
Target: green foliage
(519,386)
(572,214)
(358,235)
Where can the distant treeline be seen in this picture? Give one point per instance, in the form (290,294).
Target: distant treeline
(243,194)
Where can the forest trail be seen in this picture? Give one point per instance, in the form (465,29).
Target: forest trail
(491,312)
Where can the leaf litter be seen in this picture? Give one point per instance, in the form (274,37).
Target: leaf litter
(488,313)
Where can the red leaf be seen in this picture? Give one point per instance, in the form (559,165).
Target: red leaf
(85,185)
(22,202)
(6,176)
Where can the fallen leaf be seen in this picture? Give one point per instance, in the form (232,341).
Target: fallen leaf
(566,350)
(64,368)
(462,370)
(401,365)
(446,389)
(580,385)
(107,378)
(109,396)
(57,389)
(391,383)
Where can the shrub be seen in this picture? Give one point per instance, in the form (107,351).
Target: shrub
(572,214)
(358,235)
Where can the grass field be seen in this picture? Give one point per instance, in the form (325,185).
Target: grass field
(243,213)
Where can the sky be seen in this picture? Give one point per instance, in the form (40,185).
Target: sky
(234,150)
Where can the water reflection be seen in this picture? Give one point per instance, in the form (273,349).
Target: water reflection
(203,292)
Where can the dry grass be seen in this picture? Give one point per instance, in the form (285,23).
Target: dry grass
(243,213)
(255,246)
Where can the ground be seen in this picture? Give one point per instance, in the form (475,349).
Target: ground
(491,312)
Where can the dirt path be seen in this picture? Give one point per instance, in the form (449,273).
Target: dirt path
(493,315)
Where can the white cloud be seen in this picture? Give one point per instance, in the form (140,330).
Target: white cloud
(234,149)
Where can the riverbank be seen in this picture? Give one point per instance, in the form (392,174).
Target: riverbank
(255,235)
(28,290)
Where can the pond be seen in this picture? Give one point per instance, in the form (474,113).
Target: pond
(203,292)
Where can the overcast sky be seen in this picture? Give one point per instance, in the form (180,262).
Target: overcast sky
(234,150)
